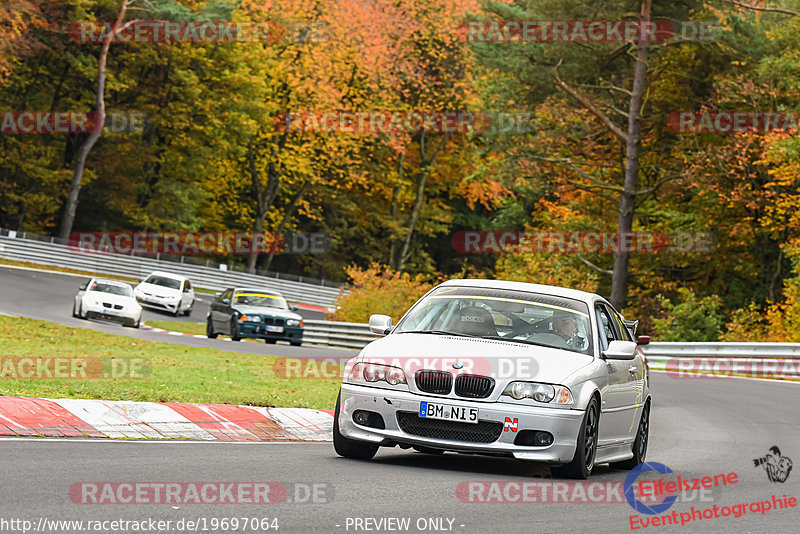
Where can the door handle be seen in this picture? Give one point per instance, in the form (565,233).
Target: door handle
(632,370)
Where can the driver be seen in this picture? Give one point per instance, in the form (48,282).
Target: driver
(565,326)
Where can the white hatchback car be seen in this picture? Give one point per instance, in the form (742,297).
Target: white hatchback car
(107,299)
(529,371)
(166,291)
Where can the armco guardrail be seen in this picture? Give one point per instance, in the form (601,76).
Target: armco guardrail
(337,334)
(55,254)
(358,335)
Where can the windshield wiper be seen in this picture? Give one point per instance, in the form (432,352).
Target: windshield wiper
(526,341)
(439,332)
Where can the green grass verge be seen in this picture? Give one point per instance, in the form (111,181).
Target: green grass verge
(178,373)
(179,326)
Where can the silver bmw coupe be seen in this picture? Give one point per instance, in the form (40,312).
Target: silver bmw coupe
(534,372)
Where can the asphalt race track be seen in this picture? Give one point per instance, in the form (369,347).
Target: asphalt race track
(49,296)
(699,427)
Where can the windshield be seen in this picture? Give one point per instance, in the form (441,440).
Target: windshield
(503,314)
(261,300)
(114,289)
(163,281)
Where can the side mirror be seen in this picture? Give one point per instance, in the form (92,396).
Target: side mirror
(380,324)
(83,286)
(643,340)
(293,308)
(620,350)
(632,327)
(226,301)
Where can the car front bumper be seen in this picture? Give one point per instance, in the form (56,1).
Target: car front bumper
(255,330)
(563,424)
(101,312)
(158,303)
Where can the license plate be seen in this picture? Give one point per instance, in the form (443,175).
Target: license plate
(147,299)
(276,329)
(430,410)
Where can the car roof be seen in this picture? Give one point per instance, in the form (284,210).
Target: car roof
(575,294)
(256,290)
(110,282)
(168,275)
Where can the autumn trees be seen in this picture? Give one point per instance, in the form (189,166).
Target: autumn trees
(221,149)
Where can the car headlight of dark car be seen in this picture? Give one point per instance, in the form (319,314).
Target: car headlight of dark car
(294,322)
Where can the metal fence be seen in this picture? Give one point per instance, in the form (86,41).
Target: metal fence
(358,335)
(50,252)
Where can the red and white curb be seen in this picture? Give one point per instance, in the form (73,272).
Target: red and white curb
(20,416)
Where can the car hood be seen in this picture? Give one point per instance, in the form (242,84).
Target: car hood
(502,360)
(160,291)
(111,298)
(261,310)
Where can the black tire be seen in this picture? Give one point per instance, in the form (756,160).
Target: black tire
(582,464)
(210,334)
(235,330)
(295,343)
(138,323)
(639,443)
(82,315)
(177,311)
(188,312)
(269,341)
(427,450)
(74,311)
(348,448)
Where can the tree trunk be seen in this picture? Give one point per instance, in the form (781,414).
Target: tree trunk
(265,196)
(71,206)
(619,279)
(422,178)
(287,215)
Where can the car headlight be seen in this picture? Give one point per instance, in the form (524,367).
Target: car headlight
(250,318)
(294,322)
(544,393)
(373,372)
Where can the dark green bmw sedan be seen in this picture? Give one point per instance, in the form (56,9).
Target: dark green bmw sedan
(254,313)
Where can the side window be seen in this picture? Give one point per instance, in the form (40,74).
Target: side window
(606,330)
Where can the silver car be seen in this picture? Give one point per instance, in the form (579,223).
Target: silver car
(530,371)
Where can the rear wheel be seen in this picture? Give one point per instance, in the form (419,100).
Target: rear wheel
(639,443)
(295,343)
(269,341)
(582,464)
(349,448)
(210,329)
(235,330)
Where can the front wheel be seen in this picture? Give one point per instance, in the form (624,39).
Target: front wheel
(295,343)
(639,443)
(269,341)
(210,334)
(583,462)
(235,330)
(349,448)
